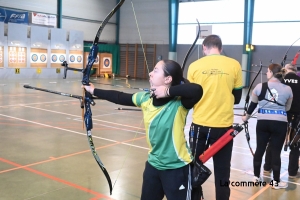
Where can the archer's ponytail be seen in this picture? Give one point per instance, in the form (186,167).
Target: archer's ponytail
(278,71)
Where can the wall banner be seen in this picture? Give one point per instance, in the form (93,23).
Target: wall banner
(13,16)
(43,19)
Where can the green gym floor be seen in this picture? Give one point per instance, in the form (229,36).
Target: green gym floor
(45,155)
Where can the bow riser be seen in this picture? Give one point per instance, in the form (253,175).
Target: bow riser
(91,59)
(88,114)
(246,108)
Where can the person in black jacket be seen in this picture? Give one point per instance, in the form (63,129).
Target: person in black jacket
(167,171)
(293,80)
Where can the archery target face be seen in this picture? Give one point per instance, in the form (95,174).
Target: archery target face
(106,62)
(34,57)
(62,58)
(17,55)
(12,55)
(21,57)
(43,57)
(72,58)
(1,55)
(58,57)
(38,58)
(76,58)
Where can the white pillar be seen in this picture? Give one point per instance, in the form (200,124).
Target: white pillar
(173,56)
(244,67)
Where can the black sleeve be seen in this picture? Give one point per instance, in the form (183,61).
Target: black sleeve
(190,93)
(251,108)
(237,95)
(114,96)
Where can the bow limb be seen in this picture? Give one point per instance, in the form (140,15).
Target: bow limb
(88,99)
(247,106)
(294,62)
(248,93)
(189,51)
(94,49)
(287,51)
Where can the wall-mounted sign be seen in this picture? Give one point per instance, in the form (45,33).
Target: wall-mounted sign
(13,16)
(17,71)
(43,19)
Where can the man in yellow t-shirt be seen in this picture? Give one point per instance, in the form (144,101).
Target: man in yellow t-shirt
(221,80)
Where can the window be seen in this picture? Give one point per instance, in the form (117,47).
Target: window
(227,23)
(276,22)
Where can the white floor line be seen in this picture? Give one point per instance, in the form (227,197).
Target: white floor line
(49,126)
(36,103)
(113,127)
(79,117)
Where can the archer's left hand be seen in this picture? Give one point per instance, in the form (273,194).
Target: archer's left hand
(89,88)
(245,117)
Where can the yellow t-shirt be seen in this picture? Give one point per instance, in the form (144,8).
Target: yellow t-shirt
(218,75)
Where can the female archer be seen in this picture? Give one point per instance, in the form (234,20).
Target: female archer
(274,99)
(165,108)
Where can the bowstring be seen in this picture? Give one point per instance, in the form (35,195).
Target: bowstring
(145,58)
(137,25)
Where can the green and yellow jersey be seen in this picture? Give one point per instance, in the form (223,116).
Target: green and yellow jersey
(165,132)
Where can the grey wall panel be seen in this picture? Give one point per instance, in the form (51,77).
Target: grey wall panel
(75,40)
(90,29)
(152,17)
(1,33)
(88,9)
(58,38)
(17,34)
(44,6)
(39,37)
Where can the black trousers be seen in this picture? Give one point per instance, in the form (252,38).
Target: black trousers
(294,153)
(273,132)
(200,139)
(174,183)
